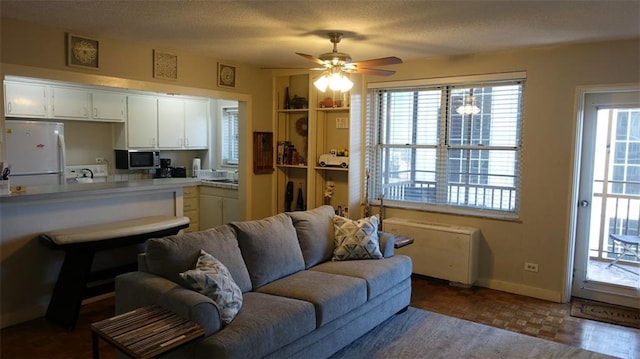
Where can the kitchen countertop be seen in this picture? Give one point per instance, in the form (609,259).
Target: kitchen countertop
(98,188)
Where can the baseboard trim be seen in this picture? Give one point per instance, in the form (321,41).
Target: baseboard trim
(529,291)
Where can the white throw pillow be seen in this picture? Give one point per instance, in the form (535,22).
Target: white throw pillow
(213,279)
(356,239)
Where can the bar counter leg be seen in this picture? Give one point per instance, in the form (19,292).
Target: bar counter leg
(94,345)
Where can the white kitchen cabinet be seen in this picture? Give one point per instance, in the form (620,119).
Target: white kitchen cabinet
(196,124)
(142,121)
(218,206)
(108,106)
(70,102)
(25,100)
(170,123)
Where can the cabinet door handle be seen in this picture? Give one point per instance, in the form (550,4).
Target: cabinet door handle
(186,141)
(9,107)
(95,112)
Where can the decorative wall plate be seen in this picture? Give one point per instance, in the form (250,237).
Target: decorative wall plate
(226,76)
(83,52)
(302,126)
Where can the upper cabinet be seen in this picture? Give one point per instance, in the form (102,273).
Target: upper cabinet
(182,124)
(25,100)
(86,104)
(69,102)
(170,123)
(108,105)
(196,123)
(142,122)
(166,123)
(35,100)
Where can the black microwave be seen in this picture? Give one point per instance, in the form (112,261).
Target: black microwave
(137,160)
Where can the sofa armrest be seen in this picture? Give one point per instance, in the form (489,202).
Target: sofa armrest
(139,289)
(387,243)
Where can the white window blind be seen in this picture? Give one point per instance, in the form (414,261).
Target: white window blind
(425,151)
(230,136)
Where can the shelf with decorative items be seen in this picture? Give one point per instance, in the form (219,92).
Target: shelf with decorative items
(337,131)
(292,118)
(318,152)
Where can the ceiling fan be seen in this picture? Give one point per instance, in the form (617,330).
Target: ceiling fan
(342,61)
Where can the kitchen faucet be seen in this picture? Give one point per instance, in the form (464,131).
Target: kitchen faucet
(84,174)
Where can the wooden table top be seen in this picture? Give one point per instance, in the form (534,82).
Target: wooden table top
(147,332)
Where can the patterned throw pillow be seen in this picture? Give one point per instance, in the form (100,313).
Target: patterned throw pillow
(212,278)
(356,239)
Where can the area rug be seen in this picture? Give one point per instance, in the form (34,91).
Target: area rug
(418,333)
(604,312)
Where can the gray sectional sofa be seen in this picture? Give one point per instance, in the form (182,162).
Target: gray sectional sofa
(296,301)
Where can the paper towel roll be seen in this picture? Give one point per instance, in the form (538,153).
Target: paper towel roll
(195,165)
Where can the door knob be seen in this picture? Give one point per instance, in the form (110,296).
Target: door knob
(584,203)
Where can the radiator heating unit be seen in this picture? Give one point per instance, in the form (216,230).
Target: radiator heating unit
(439,250)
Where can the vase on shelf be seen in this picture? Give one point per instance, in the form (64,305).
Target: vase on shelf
(287,100)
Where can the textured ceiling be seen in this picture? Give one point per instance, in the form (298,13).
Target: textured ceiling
(268,33)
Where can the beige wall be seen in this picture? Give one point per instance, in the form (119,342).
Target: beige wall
(543,234)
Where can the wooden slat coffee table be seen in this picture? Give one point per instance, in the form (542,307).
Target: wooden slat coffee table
(145,332)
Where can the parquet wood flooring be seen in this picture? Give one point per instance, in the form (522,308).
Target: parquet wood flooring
(525,315)
(41,339)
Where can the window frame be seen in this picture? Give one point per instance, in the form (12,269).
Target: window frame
(224,162)
(375,151)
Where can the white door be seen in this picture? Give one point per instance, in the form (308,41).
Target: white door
(70,102)
(170,123)
(25,100)
(108,105)
(196,124)
(608,200)
(142,121)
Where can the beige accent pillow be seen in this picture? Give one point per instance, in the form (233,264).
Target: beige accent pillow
(356,239)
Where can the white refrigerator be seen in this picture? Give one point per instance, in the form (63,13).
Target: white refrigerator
(35,152)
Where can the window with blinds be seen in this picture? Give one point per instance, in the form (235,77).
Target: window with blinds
(230,136)
(447,147)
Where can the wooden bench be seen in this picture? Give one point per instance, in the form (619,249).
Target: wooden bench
(81,244)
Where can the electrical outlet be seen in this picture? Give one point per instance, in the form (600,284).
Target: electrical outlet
(99,159)
(531,267)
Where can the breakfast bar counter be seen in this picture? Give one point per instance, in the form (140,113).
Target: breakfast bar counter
(30,270)
(96,188)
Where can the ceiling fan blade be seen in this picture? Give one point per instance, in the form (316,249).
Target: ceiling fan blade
(312,58)
(392,60)
(374,72)
(294,68)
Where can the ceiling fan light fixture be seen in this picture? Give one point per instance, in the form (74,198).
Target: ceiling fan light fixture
(321,83)
(335,80)
(468,108)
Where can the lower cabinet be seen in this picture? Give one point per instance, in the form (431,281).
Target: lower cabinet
(218,206)
(191,207)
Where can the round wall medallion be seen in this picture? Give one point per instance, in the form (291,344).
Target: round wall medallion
(302,126)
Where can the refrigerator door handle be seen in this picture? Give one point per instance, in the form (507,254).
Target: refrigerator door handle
(63,157)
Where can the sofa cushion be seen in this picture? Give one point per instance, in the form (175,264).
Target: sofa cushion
(332,295)
(315,234)
(265,324)
(380,275)
(211,278)
(270,248)
(172,255)
(356,239)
